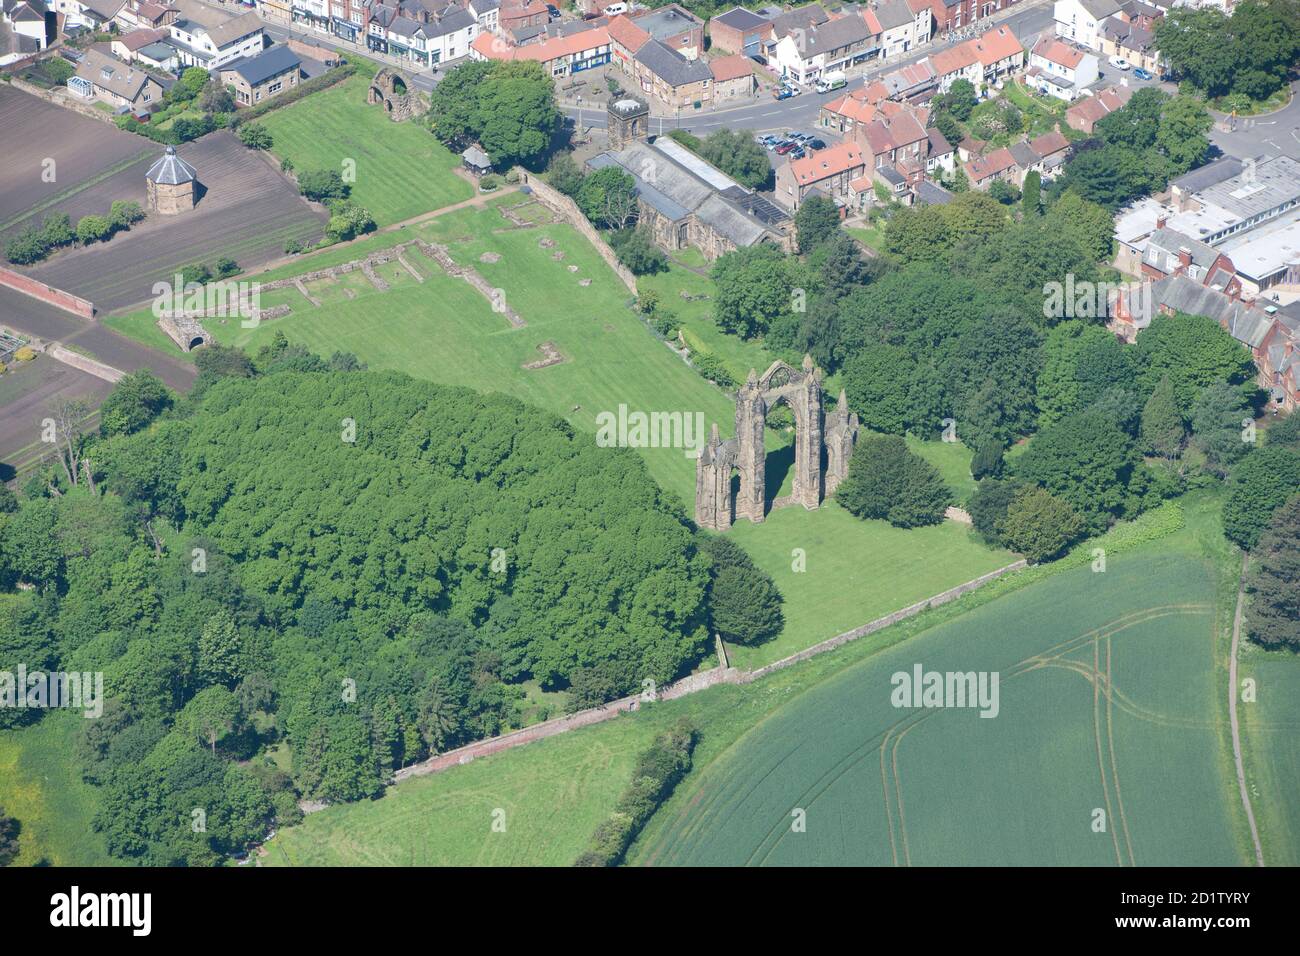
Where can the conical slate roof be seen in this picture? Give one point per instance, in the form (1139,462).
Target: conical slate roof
(171,170)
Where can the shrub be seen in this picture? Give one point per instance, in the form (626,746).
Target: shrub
(637,251)
(987,462)
(323,184)
(225,267)
(657,772)
(744,603)
(255,136)
(24,354)
(711,367)
(124,213)
(490,183)
(1039,525)
(93,229)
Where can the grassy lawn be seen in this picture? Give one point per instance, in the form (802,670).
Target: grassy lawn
(1249,107)
(41,786)
(952,459)
(1042,113)
(855,571)
(871,235)
(401,169)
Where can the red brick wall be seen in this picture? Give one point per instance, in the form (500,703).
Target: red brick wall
(46,293)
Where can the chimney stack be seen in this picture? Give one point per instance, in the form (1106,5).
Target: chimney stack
(1161,220)
(1184,258)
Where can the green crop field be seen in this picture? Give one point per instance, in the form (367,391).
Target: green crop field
(1108,705)
(401,169)
(1269,727)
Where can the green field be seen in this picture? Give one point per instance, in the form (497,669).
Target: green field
(1268,737)
(1108,699)
(401,169)
(41,786)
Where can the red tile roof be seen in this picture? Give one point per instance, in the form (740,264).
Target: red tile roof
(1055,51)
(628,34)
(997,45)
(982,167)
(825,163)
(494,48)
(731,67)
(1049,143)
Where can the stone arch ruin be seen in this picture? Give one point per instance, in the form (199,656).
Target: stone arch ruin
(393,89)
(800,390)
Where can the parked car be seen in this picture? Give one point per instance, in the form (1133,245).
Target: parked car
(816,143)
(553,11)
(797,153)
(782,93)
(1119,63)
(1142,74)
(767,140)
(758,58)
(786,146)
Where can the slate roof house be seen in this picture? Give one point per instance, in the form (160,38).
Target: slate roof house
(684,201)
(263,75)
(738,31)
(111,81)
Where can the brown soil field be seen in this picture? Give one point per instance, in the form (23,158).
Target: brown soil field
(247,211)
(28,392)
(83,150)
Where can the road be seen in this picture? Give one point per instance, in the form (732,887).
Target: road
(1277,134)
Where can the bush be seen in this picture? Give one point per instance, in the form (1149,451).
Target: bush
(657,772)
(988,507)
(24,354)
(124,213)
(887,480)
(987,462)
(1039,525)
(711,367)
(666,323)
(255,136)
(225,267)
(637,251)
(93,229)
(744,603)
(489,183)
(323,184)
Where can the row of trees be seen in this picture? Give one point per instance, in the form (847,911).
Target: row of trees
(56,232)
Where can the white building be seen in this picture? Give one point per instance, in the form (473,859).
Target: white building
(1061,70)
(1080,20)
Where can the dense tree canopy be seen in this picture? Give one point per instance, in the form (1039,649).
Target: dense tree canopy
(508,107)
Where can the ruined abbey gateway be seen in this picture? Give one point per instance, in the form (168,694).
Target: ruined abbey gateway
(801,390)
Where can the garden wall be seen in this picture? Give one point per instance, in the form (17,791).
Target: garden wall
(568,210)
(46,293)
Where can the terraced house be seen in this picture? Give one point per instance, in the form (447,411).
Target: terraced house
(804,54)
(425,32)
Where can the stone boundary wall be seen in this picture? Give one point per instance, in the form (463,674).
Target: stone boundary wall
(882,622)
(687,685)
(66,301)
(568,210)
(87,365)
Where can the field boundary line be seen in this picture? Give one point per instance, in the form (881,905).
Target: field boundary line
(687,685)
(1232,710)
